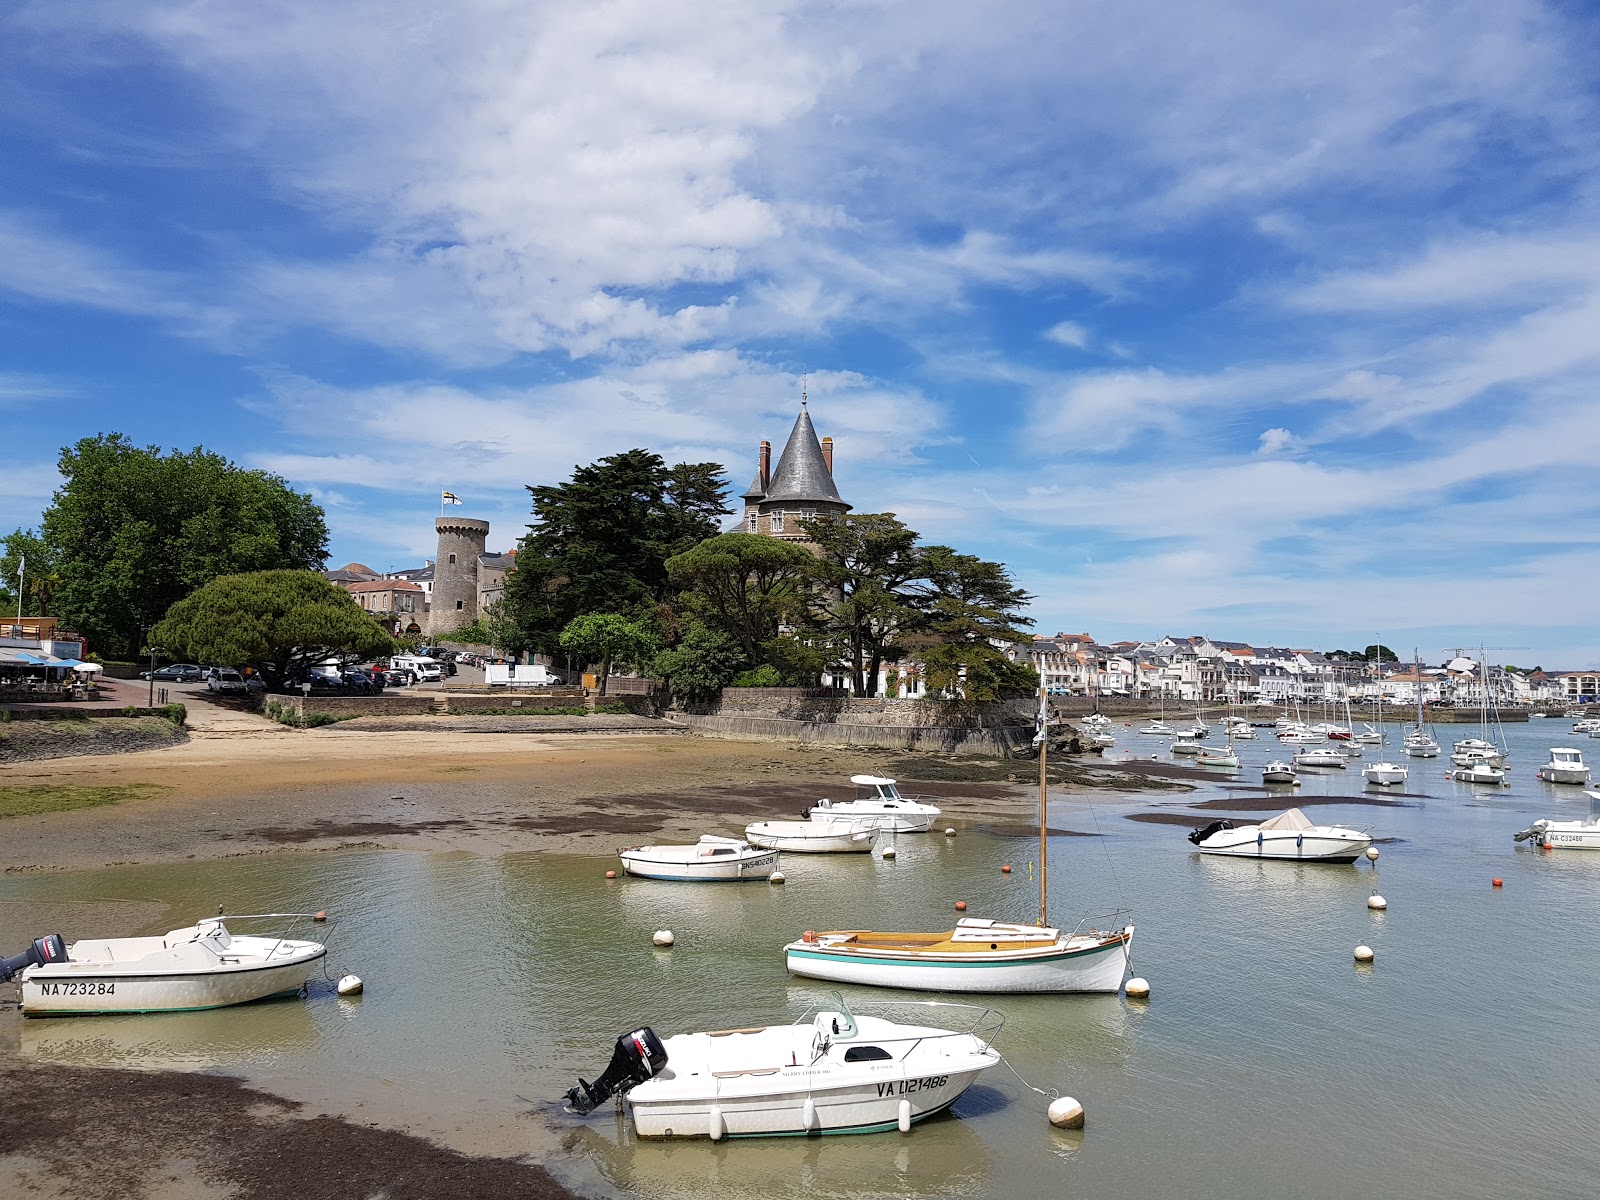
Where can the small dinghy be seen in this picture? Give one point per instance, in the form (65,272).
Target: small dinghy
(711,859)
(824,835)
(830,1072)
(879,801)
(202,966)
(1289,835)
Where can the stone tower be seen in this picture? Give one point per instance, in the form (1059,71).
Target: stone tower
(800,487)
(455,573)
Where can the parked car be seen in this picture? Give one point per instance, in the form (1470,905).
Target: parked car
(176,673)
(360,681)
(225,679)
(325,680)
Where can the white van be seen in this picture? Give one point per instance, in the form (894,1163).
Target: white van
(517,675)
(425,669)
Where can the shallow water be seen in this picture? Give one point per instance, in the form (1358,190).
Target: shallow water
(1266,1063)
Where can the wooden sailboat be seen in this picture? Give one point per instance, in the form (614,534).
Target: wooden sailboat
(979,954)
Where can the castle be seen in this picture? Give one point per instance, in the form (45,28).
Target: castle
(801,489)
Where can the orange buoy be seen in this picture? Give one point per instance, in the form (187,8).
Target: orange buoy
(809,935)
(1006,870)
(321,916)
(611,874)
(1497,882)
(961,906)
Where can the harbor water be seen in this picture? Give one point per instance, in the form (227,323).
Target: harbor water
(1464,1062)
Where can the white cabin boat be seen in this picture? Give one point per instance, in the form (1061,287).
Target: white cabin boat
(1566,835)
(879,801)
(200,966)
(712,859)
(1421,744)
(1186,743)
(1222,756)
(1330,757)
(1384,774)
(826,835)
(1279,772)
(1566,765)
(832,1071)
(1482,771)
(1289,835)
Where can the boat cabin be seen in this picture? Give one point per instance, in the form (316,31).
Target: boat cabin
(875,787)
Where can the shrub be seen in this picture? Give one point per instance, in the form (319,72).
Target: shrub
(130,710)
(175,712)
(762,676)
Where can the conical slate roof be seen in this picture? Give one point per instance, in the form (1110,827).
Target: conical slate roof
(802,472)
(754,491)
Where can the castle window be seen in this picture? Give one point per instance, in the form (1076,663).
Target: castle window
(777,523)
(460,604)
(752,522)
(452,558)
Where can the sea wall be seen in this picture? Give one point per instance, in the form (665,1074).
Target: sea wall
(26,741)
(994,740)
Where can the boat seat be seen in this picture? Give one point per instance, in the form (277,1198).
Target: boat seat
(746,1071)
(731,1032)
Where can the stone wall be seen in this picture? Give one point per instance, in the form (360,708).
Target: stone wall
(528,698)
(356,706)
(976,740)
(812,704)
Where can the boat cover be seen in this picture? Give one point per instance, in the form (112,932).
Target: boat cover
(1293,819)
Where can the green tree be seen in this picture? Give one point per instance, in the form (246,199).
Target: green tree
(28,554)
(135,530)
(969,608)
(600,541)
(1378,653)
(608,638)
(746,584)
(704,661)
(866,598)
(279,622)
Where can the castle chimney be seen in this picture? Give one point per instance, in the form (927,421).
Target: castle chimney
(827,453)
(766,464)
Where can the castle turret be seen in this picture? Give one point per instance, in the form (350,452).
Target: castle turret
(455,573)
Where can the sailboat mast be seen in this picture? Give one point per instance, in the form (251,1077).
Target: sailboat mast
(1044,846)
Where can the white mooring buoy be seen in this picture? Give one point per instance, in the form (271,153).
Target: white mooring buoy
(1137,988)
(350,985)
(1364,954)
(1066,1113)
(950,831)
(888,853)
(775,877)
(1372,854)
(663,937)
(1376,902)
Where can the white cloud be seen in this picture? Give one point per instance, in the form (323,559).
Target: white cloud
(1068,333)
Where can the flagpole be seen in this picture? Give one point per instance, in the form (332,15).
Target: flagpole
(1044,845)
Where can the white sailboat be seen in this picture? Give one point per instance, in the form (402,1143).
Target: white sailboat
(1419,740)
(1383,773)
(1474,752)
(979,954)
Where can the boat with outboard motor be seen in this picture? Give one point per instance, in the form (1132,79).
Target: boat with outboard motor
(832,1071)
(1280,772)
(879,801)
(1289,835)
(819,835)
(200,966)
(978,955)
(1566,835)
(712,859)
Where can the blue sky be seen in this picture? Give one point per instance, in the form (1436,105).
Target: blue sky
(1275,322)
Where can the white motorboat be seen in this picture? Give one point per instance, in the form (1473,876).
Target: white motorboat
(832,1071)
(879,801)
(711,859)
(979,954)
(1220,757)
(1384,774)
(1474,750)
(1566,835)
(1482,771)
(1330,757)
(1301,737)
(824,835)
(1589,725)
(1289,835)
(1095,721)
(1159,729)
(1243,733)
(1370,736)
(1186,743)
(200,966)
(1566,765)
(1279,772)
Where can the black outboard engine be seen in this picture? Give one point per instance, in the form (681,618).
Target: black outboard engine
(1200,835)
(638,1056)
(48,949)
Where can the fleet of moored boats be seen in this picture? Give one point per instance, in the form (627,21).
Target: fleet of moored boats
(834,1070)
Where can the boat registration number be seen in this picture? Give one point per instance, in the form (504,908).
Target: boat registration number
(79,987)
(902,1087)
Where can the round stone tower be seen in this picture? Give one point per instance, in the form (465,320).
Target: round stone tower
(455,573)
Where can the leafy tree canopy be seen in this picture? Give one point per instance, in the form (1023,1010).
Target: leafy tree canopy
(279,622)
(746,584)
(1379,653)
(704,661)
(607,638)
(599,542)
(869,567)
(29,558)
(133,530)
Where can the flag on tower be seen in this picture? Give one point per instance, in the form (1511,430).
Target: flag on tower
(449,498)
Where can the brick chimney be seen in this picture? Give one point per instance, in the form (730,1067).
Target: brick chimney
(766,464)
(827,453)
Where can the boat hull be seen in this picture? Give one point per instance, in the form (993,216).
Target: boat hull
(84,989)
(1567,835)
(795,838)
(749,867)
(1384,774)
(1287,844)
(1095,965)
(1551,774)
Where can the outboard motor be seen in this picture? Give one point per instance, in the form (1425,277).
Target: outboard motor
(1200,835)
(48,949)
(638,1056)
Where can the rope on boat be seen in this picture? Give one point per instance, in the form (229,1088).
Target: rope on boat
(1051,1095)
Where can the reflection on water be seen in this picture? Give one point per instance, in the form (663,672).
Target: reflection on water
(1264,1065)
